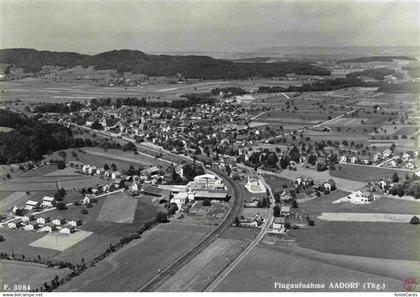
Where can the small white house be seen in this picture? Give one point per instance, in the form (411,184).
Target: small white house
(28,218)
(75,223)
(43,220)
(48,228)
(58,221)
(343,159)
(386,153)
(66,230)
(327,186)
(360,198)
(92,170)
(31,227)
(180,199)
(85,168)
(48,201)
(405,157)
(135,187)
(353,159)
(14,224)
(115,175)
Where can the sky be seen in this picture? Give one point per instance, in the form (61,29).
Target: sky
(231,25)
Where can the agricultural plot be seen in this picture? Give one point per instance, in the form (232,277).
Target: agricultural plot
(363,239)
(60,242)
(197,274)
(365,173)
(12,199)
(365,217)
(263,267)
(29,274)
(135,264)
(118,208)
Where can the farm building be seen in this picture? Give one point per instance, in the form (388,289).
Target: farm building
(43,220)
(285,210)
(48,201)
(202,195)
(180,198)
(251,202)
(360,197)
(31,204)
(150,171)
(253,222)
(279,223)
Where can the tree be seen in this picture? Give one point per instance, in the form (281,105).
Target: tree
(84,211)
(96,125)
(61,206)
(161,217)
(395,178)
(114,167)
(276,211)
(206,202)
(415,220)
(295,204)
(311,222)
(294,154)
(1,238)
(106,167)
(61,164)
(236,222)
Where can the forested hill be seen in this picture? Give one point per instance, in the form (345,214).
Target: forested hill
(377,59)
(156,65)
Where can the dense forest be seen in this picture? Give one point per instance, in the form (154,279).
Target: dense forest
(156,65)
(377,59)
(376,73)
(31,139)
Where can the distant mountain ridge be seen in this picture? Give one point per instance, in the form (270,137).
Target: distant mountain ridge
(190,66)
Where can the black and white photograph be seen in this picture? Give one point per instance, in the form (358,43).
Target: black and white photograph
(209,146)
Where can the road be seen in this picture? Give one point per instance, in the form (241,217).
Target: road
(249,248)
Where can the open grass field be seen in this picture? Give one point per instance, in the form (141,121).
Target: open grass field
(43,90)
(60,242)
(9,200)
(365,173)
(363,239)
(366,217)
(118,208)
(132,266)
(197,274)
(29,274)
(382,205)
(263,267)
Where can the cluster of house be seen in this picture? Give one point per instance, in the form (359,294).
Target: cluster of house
(46,202)
(387,158)
(279,223)
(45,224)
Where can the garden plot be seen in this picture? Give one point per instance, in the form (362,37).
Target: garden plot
(118,208)
(60,242)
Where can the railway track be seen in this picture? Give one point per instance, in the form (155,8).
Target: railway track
(172,269)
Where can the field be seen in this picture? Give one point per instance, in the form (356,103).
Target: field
(42,90)
(365,173)
(197,274)
(263,267)
(98,157)
(363,239)
(366,217)
(382,205)
(60,242)
(29,274)
(118,208)
(132,266)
